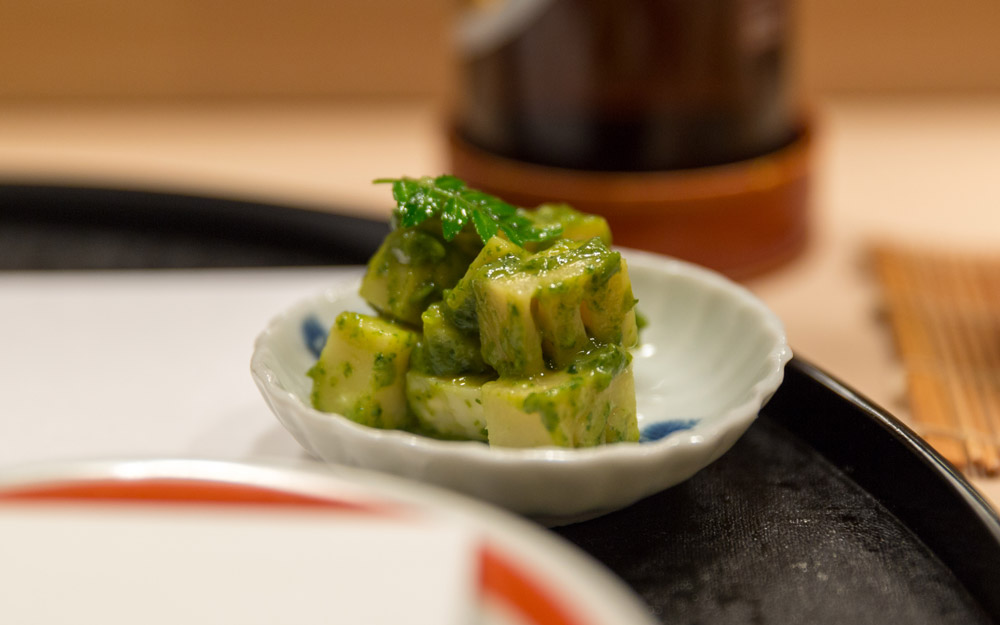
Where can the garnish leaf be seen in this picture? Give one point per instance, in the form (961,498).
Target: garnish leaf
(448,197)
(485,226)
(453,218)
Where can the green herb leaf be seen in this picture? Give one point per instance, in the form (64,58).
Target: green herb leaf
(453,218)
(485,226)
(448,197)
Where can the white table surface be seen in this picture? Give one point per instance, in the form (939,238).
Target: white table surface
(140,364)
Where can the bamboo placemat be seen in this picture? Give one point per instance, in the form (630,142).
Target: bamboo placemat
(945,312)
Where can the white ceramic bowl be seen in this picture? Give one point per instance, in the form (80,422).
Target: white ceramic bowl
(710,358)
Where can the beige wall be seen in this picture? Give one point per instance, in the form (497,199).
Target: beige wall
(221,47)
(305,48)
(898,45)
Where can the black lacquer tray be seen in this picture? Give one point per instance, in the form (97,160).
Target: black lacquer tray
(828,510)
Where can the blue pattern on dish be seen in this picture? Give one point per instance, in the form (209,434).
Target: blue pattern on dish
(662,429)
(314,335)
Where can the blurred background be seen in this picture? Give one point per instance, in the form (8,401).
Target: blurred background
(175,91)
(55,50)
(225,63)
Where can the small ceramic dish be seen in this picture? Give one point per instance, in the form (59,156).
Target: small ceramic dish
(710,357)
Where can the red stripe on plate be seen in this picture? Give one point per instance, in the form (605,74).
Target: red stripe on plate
(181,491)
(507,582)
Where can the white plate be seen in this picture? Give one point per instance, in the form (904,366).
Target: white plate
(84,536)
(710,357)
